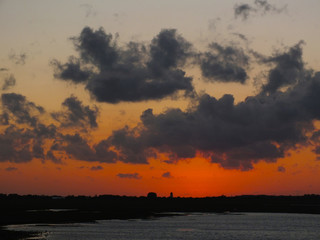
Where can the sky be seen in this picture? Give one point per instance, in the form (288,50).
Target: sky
(199,98)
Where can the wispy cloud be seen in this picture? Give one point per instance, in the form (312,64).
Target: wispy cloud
(261,7)
(96,168)
(167,175)
(129,175)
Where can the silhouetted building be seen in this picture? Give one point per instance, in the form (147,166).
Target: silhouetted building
(152,195)
(171,195)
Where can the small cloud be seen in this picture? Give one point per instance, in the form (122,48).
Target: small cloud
(90,11)
(281,169)
(241,36)
(129,175)
(11,169)
(75,114)
(261,7)
(213,23)
(19,59)
(167,175)
(243,10)
(96,168)
(9,82)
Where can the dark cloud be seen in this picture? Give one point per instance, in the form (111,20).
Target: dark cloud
(25,137)
(76,114)
(42,131)
(11,169)
(34,139)
(20,145)
(9,82)
(131,151)
(19,59)
(243,10)
(132,73)
(265,7)
(316,136)
(15,145)
(241,36)
(78,148)
(317,150)
(167,175)
(129,175)
(168,50)
(4,118)
(71,71)
(234,135)
(288,70)
(50,156)
(259,7)
(224,64)
(22,110)
(96,168)
(38,150)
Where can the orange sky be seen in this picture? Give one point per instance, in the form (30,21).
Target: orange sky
(40,33)
(196,178)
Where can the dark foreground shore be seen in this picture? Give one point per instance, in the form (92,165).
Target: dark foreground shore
(16,235)
(29,209)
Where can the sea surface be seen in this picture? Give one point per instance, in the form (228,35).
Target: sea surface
(230,226)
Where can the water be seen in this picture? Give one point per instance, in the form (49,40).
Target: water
(242,226)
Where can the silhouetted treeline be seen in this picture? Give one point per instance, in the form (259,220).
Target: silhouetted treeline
(56,209)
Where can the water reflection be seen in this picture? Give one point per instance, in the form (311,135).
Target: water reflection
(249,226)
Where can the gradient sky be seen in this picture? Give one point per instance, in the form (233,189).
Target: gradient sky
(198,98)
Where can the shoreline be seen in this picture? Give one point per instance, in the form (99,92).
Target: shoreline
(11,234)
(7,234)
(15,209)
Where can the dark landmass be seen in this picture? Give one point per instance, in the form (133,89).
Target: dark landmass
(14,235)
(16,209)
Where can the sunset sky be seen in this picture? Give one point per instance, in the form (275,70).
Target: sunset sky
(199,98)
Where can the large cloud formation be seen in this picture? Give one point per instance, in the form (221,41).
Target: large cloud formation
(263,127)
(20,109)
(132,73)
(139,72)
(26,137)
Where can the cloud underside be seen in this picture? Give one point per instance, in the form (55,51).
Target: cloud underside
(264,127)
